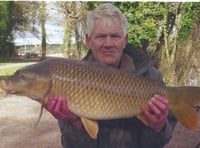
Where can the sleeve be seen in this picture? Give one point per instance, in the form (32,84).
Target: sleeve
(152,139)
(74,138)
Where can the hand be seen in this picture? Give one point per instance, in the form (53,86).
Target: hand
(57,106)
(157,117)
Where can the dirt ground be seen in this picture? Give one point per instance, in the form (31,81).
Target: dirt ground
(183,138)
(19,114)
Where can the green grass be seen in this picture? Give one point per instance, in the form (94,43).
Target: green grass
(9,71)
(5,63)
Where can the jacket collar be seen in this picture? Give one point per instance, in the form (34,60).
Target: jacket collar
(126,63)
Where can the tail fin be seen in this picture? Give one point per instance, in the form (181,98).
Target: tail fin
(183,100)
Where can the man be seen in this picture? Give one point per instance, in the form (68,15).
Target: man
(107,38)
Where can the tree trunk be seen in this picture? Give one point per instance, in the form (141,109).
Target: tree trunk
(43,29)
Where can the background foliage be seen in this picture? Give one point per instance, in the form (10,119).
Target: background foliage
(166,31)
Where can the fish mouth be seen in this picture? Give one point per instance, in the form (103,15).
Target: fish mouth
(4,77)
(6,88)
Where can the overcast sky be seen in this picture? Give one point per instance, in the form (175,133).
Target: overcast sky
(54,32)
(54,36)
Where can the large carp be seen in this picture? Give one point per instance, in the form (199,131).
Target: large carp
(99,92)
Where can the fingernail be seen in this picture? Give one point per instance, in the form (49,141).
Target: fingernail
(152,99)
(166,101)
(156,95)
(150,102)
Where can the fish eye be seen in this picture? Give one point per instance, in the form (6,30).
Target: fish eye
(23,75)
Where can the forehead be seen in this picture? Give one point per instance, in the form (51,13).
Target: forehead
(107,21)
(107,25)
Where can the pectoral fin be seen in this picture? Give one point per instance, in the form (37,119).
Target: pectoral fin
(91,127)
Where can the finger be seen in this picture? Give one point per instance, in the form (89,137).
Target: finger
(153,121)
(50,99)
(58,105)
(64,104)
(65,113)
(162,99)
(149,115)
(153,107)
(50,104)
(160,103)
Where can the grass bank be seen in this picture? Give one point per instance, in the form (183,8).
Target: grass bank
(10,70)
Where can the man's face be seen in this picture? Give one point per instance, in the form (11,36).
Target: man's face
(107,42)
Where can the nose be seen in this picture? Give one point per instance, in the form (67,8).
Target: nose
(108,42)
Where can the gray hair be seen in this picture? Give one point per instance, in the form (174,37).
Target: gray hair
(108,12)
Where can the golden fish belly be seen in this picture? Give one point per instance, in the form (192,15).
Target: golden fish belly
(98,93)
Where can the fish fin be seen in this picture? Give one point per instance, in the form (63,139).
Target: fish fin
(91,127)
(143,118)
(187,94)
(186,115)
(42,101)
(39,117)
(183,99)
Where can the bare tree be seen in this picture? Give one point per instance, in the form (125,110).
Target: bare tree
(75,16)
(178,62)
(171,25)
(43,18)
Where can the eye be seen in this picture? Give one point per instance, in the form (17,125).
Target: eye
(115,36)
(100,36)
(22,75)
(19,74)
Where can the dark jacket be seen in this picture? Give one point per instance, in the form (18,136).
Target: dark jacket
(122,133)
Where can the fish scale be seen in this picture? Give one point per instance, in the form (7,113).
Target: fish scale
(100,92)
(97,94)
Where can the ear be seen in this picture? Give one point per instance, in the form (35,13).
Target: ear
(126,38)
(87,40)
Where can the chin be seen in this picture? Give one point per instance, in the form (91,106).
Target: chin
(110,62)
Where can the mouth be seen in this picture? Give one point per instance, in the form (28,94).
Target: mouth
(6,88)
(107,52)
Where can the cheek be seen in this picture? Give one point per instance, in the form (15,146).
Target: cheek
(92,44)
(123,44)
(97,43)
(96,47)
(120,47)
